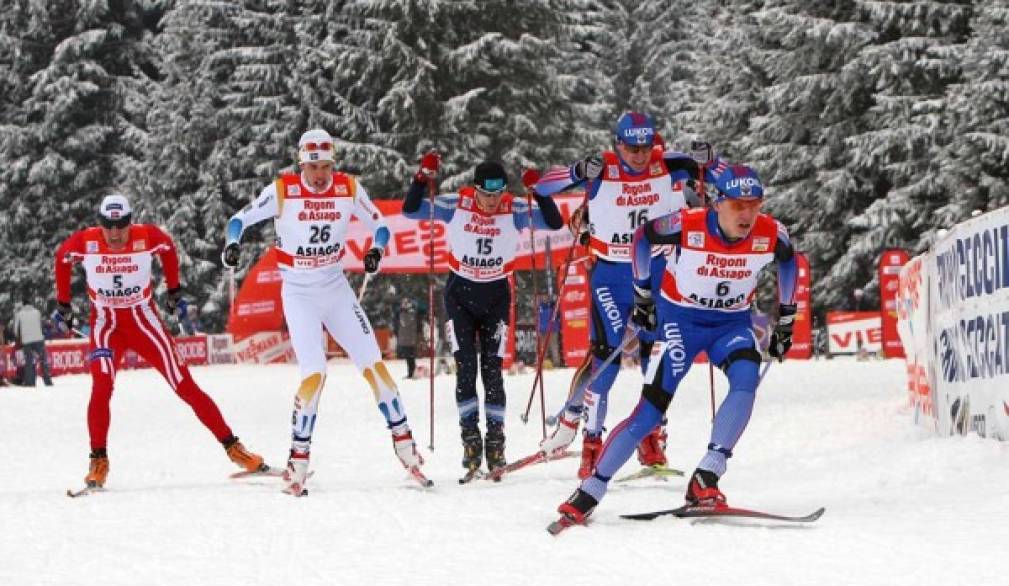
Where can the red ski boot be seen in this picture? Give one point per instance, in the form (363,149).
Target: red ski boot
(652,449)
(592,446)
(703,490)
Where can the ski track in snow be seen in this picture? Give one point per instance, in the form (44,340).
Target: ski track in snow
(903,506)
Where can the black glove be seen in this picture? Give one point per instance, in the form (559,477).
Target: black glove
(589,168)
(781,339)
(371,260)
(67,313)
(172,299)
(643,313)
(231,254)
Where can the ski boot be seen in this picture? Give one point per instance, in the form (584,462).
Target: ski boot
(651,450)
(296,473)
(703,490)
(578,507)
(98,469)
(495,446)
(592,446)
(472,448)
(561,438)
(239,455)
(406,450)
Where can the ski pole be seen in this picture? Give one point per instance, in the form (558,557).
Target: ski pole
(364,287)
(430,313)
(553,318)
(629,337)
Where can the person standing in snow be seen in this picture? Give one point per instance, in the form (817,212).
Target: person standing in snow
(483,223)
(311,211)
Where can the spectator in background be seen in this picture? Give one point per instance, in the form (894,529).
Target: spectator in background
(28,330)
(407,327)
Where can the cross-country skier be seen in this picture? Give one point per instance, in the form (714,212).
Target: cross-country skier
(311,211)
(706,292)
(483,222)
(117,256)
(626,187)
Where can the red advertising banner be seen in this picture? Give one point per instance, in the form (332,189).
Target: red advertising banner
(850,331)
(890,263)
(574,312)
(802,333)
(509,356)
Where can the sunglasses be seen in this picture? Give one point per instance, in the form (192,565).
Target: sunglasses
(489,193)
(317,146)
(120,223)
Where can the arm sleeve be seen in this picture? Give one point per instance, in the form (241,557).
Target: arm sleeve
(64,266)
(366,211)
(544,217)
(556,180)
(164,247)
(664,230)
(444,206)
(264,207)
(788,268)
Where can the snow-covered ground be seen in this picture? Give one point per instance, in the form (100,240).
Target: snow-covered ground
(903,506)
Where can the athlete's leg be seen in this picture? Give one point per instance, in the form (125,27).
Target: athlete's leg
(347,323)
(148,336)
(736,354)
(461,331)
(612,298)
(682,340)
(492,329)
(103,361)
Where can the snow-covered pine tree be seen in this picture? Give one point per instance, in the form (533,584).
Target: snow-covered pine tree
(815,97)
(979,119)
(907,136)
(82,83)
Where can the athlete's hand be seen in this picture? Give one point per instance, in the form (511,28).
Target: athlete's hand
(781,339)
(701,151)
(428,169)
(371,260)
(530,177)
(172,299)
(589,168)
(230,255)
(643,313)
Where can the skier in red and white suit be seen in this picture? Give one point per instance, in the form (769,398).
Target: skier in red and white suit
(117,257)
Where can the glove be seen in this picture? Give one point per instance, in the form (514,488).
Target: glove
(589,168)
(781,339)
(643,313)
(66,312)
(700,151)
(429,164)
(530,177)
(232,252)
(371,260)
(172,299)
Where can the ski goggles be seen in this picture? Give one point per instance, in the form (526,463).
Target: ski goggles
(317,146)
(120,222)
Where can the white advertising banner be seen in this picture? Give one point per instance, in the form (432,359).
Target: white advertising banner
(912,326)
(853,330)
(968,278)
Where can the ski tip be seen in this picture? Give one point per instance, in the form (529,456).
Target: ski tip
(817,514)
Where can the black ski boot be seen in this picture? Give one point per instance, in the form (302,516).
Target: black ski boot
(495,447)
(472,448)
